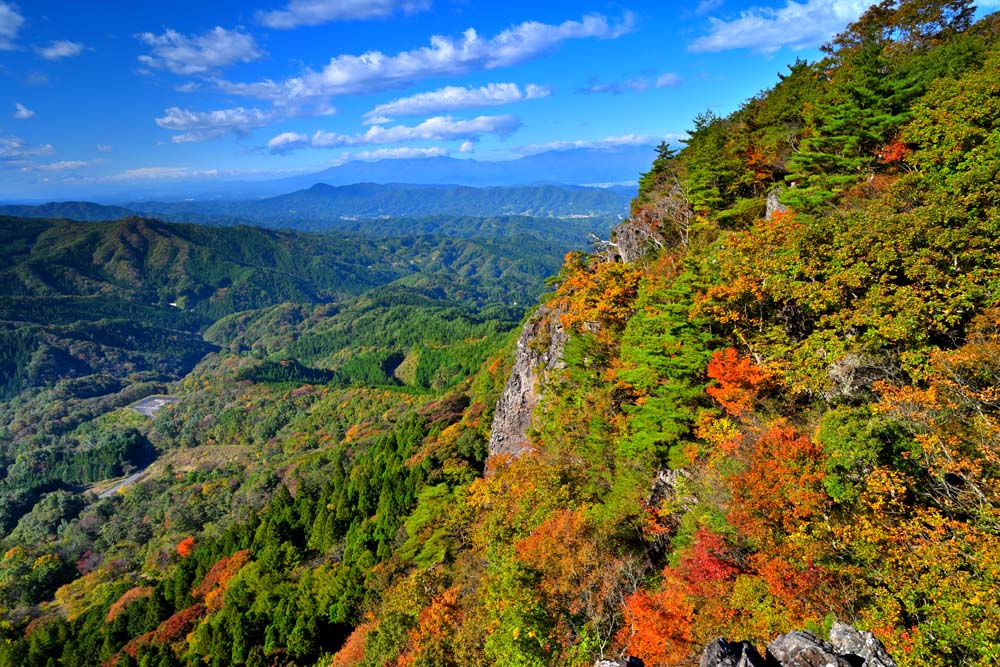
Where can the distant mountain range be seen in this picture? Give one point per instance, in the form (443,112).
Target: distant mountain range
(582,166)
(325,206)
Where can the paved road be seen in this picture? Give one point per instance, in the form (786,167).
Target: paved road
(128,481)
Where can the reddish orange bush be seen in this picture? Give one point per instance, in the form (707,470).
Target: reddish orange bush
(657,626)
(739,381)
(126,599)
(185,547)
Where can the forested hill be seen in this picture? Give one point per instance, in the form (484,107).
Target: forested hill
(768,401)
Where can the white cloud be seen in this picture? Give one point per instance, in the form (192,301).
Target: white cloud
(14,150)
(186,55)
(796,25)
(287,141)
(162,173)
(453,98)
(315,12)
(22,112)
(608,143)
(637,85)
(10,22)
(445,56)
(668,80)
(64,165)
(188,87)
(467,147)
(439,128)
(204,125)
(60,49)
(391,154)
(104,148)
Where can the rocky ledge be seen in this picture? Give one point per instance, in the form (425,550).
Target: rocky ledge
(847,648)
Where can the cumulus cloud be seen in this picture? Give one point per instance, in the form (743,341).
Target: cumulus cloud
(104,148)
(668,80)
(467,147)
(14,150)
(439,128)
(454,98)
(608,143)
(22,112)
(445,56)
(315,12)
(10,22)
(58,50)
(185,55)
(796,25)
(195,126)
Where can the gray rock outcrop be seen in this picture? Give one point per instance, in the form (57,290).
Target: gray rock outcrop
(849,642)
(721,653)
(774,204)
(539,352)
(847,648)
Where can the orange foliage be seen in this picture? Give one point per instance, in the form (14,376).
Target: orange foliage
(177,625)
(595,295)
(894,151)
(578,576)
(739,381)
(435,623)
(352,653)
(782,487)
(126,599)
(185,547)
(657,626)
(213,587)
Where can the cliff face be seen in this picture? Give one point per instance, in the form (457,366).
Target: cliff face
(539,351)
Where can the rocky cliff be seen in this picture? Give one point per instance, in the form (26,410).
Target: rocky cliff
(539,351)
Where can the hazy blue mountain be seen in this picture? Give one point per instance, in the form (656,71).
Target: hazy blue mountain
(329,206)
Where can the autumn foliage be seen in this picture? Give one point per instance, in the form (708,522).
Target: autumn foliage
(185,547)
(739,381)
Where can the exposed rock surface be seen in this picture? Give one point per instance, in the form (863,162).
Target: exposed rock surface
(774,204)
(539,351)
(627,662)
(849,642)
(847,648)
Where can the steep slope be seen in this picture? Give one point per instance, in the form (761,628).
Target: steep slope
(763,418)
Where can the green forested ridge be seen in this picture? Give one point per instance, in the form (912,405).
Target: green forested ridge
(771,419)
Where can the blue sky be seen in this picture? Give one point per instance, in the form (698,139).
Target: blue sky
(123,92)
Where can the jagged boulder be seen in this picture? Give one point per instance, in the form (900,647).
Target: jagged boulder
(800,648)
(539,351)
(849,642)
(847,648)
(721,653)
